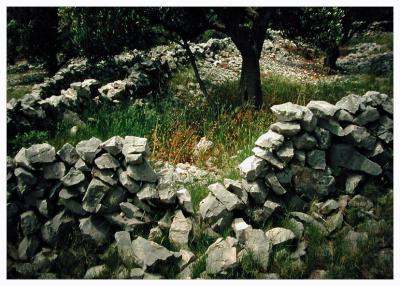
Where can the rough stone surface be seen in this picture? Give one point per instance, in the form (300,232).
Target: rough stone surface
(351,103)
(94,194)
(286,128)
(274,183)
(304,141)
(73,178)
(252,167)
(270,140)
(40,153)
(287,111)
(113,145)
(29,223)
(95,228)
(150,255)
(316,159)
(88,149)
(259,245)
(346,156)
(279,235)
(228,199)
(239,226)
(106,161)
(180,230)
(68,154)
(143,172)
(256,190)
(185,200)
(54,171)
(322,108)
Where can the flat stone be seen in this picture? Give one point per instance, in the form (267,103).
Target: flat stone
(185,200)
(279,235)
(73,178)
(29,223)
(128,183)
(352,182)
(136,273)
(274,183)
(134,159)
(269,157)
(152,256)
(351,103)
(346,156)
(270,140)
(108,176)
(259,245)
(96,229)
(256,190)
(94,194)
(310,220)
(40,153)
(128,224)
(106,161)
(304,141)
(332,126)
(211,209)
(88,149)
(180,230)
(370,114)
(252,167)
(316,159)
(143,172)
(286,151)
(148,192)
(54,170)
(68,154)
(322,108)
(286,128)
(239,226)
(113,145)
(133,144)
(228,199)
(124,246)
(287,111)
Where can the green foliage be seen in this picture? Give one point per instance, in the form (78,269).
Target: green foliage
(97,32)
(249,267)
(26,139)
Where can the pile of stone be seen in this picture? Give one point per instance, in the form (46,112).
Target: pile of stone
(312,162)
(97,187)
(42,110)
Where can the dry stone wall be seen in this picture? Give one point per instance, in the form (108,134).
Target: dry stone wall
(109,190)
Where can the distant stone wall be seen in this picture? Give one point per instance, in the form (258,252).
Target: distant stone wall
(127,76)
(109,190)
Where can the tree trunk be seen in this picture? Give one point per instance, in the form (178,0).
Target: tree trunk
(332,54)
(250,82)
(198,78)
